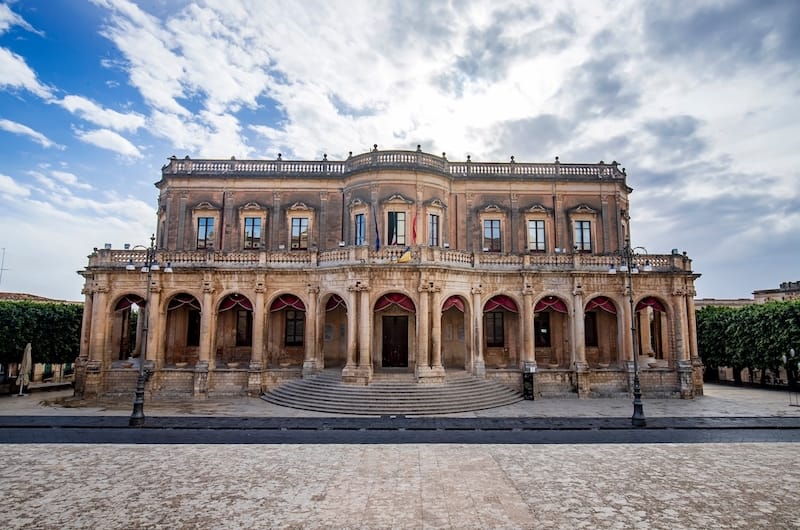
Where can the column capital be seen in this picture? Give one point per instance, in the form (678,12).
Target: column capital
(313,289)
(476,290)
(208,287)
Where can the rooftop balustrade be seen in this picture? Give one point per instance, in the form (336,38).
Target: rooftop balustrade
(374,160)
(387,256)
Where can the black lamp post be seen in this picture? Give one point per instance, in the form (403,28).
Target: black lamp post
(150,265)
(631,267)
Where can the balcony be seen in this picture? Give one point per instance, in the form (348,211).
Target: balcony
(398,160)
(386,256)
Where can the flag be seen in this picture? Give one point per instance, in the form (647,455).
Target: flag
(405,257)
(377,232)
(414,229)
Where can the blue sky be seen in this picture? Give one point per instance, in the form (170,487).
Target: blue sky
(698,100)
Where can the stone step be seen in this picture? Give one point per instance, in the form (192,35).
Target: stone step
(392,393)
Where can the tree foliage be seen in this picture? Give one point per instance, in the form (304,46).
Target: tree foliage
(756,337)
(53,329)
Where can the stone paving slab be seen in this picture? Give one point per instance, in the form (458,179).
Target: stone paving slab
(669,486)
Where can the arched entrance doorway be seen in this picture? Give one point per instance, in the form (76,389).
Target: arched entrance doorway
(126,327)
(651,328)
(334,333)
(601,332)
(234,344)
(500,317)
(397,311)
(183,330)
(287,330)
(551,332)
(455,323)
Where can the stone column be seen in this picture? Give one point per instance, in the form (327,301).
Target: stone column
(680,332)
(352,326)
(86,323)
(310,339)
(528,353)
(362,372)
(97,341)
(206,324)
(478,363)
(436,329)
(423,358)
(578,330)
(257,349)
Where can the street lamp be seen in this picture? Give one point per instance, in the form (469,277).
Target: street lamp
(150,265)
(630,267)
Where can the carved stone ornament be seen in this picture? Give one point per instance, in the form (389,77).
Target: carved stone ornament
(583,208)
(538,208)
(398,198)
(299,206)
(205,205)
(492,208)
(436,203)
(251,206)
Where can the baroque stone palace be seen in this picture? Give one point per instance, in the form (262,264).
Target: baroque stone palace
(389,261)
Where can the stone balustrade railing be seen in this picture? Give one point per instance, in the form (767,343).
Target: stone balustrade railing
(388,255)
(413,160)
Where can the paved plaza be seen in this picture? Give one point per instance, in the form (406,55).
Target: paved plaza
(668,485)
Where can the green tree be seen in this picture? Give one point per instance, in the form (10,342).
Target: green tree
(53,329)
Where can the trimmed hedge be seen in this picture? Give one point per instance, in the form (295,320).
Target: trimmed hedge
(53,329)
(757,336)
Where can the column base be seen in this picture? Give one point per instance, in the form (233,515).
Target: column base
(309,367)
(430,374)
(357,375)
(582,376)
(479,368)
(685,377)
(254,387)
(200,389)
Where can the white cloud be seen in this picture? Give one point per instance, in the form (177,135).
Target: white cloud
(9,187)
(94,113)
(8,18)
(18,128)
(105,139)
(16,74)
(70,179)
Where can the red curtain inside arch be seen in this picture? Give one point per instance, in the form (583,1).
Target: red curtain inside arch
(453,301)
(650,302)
(181,300)
(235,300)
(288,300)
(333,302)
(601,302)
(550,303)
(397,299)
(501,301)
(129,300)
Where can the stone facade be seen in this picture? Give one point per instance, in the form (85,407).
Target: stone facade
(389,261)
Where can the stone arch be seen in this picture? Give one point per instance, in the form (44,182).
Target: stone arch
(126,326)
(653,316)
(332,340)
(552,317)
(455,340)
(502,334)
(233,336)
(601,331)
(182,331)
(286,324)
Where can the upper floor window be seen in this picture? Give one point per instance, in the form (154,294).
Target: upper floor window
(536,240)
(583,236)
(360,229)
(252,232)
(205,232)
(491,235)
(396,228)
(299,233)
(433,230)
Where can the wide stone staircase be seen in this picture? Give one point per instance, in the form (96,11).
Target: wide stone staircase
(392,393)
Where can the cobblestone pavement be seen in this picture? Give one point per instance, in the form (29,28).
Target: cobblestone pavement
(400,486)
(718,401)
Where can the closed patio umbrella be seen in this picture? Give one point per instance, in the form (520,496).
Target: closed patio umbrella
(24,377)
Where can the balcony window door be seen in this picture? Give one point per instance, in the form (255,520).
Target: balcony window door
(299,239)
(396,229)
